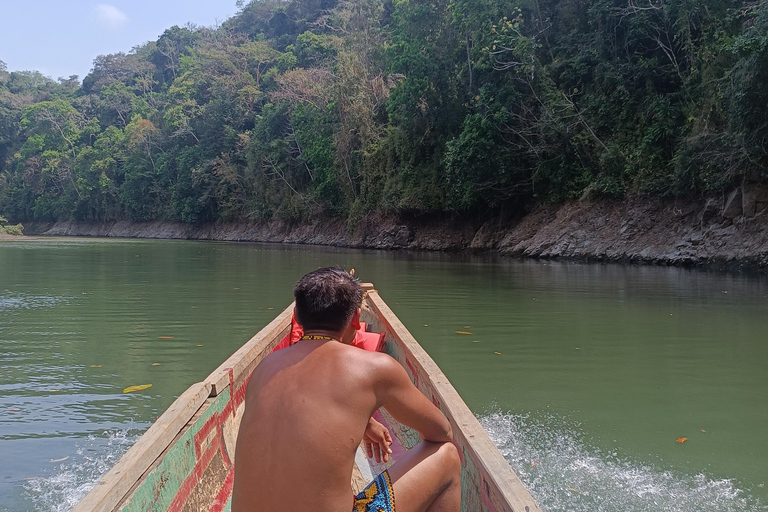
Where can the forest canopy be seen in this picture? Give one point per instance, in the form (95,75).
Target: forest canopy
(300,108)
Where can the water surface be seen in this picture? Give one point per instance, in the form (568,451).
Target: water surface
(585,375)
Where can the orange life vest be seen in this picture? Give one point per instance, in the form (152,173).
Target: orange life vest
(373,341)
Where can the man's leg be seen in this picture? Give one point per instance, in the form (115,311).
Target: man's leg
(427,478)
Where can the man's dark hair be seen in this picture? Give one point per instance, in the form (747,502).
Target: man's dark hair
(326,299)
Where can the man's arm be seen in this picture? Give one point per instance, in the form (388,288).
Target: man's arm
(406,404)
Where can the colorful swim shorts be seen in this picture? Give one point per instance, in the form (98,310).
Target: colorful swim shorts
(377,497)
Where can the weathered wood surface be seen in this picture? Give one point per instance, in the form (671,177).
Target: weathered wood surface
(189,451)
(191,471)
(185,461)
(238,366)
(112,488)
(488,482)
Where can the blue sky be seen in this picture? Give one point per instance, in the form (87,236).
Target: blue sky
(60,38)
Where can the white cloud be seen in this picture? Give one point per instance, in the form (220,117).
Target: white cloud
(109,16)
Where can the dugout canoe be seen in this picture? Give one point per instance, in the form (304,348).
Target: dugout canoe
(185,461)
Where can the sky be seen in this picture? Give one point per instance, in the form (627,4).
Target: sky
(60,38)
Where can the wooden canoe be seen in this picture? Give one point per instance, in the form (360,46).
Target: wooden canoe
(185,461)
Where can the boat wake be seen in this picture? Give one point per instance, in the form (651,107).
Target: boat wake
(563,475)
(75,477)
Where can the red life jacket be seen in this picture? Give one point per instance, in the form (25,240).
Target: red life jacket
(373,341)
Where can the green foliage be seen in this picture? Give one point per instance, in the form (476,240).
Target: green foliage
(18,229)
(302,108)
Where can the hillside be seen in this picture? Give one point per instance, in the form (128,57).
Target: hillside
(294,111)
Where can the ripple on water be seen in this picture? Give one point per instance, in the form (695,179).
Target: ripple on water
(13,301)
(73,479)
(563,475)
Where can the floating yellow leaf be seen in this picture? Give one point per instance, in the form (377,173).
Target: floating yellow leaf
(235,288)
(475,341)
(703,430)
(463,332)
(466,327)
(199,345)
(131,389)
(165,337)
(95,366)
(155,364)
(681,440)
(426,325)
(497,353)
(270,309)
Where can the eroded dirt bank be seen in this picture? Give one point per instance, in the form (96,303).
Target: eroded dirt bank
(727,232)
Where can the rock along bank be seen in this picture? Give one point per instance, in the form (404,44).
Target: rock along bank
(728,232)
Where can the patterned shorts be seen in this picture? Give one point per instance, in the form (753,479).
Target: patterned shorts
(377,497)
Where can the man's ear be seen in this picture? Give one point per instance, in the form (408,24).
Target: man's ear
(356,319)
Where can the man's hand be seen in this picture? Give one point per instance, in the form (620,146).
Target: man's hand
(377,441)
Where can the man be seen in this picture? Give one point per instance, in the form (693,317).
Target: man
(307,408)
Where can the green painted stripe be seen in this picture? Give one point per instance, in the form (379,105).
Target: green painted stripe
(159,488)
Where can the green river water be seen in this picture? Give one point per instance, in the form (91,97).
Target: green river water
(601,367)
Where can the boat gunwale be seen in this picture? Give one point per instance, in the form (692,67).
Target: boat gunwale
(118,482)
(493,467)
(130,472)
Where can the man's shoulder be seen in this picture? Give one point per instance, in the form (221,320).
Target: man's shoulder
(372,362)
(359,353)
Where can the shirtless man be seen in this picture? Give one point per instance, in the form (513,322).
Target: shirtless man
(307,408)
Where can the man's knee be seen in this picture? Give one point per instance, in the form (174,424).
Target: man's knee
(451,460)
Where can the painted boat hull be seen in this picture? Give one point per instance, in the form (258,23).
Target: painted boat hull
(185,461)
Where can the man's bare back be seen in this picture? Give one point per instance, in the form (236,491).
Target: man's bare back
(307,408)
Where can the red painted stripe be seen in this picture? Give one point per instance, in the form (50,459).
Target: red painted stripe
(224,493)
(202,434)
(239,396)
(485,497)
(214,423)
(413,372)
(186,488)
(203,459)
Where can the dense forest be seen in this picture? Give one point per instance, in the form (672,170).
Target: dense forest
(304,108)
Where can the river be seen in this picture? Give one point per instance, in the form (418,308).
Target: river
(586,376)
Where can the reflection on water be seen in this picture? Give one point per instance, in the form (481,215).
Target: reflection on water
(563,474)
(635,356)
(9,302)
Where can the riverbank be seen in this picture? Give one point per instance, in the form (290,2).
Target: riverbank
(724,233)
(6,236)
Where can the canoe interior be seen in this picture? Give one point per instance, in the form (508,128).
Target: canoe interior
(185,461)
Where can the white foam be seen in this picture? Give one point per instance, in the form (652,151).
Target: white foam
(564,475)
(73,479)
